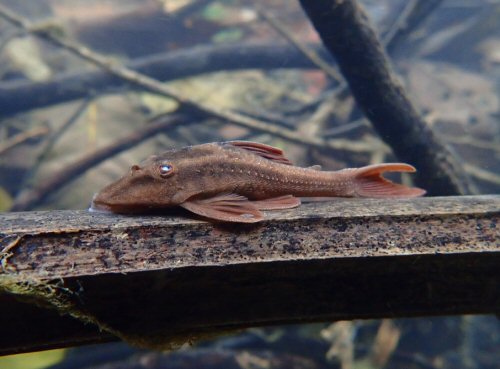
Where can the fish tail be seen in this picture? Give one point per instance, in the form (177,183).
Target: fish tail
(368,181)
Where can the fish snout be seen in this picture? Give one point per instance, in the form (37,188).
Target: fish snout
(109,197)
(98,205)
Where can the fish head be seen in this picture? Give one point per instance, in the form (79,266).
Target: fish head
(153,184)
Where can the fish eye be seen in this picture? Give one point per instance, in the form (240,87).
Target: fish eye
(166,170)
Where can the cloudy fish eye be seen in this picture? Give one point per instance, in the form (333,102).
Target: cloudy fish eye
(166,170)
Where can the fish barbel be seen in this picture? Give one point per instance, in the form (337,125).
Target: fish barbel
(233,181)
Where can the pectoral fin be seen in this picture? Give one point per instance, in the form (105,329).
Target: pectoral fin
(226,207)
(266,151)
(277,203)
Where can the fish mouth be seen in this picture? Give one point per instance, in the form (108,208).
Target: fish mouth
(99,206)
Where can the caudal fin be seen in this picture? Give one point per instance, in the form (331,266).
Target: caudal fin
(370,183)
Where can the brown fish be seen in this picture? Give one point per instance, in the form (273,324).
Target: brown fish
(233,181)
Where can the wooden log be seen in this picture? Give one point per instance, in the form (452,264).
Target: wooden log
(72,277)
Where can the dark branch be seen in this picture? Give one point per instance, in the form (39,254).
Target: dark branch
(345,30)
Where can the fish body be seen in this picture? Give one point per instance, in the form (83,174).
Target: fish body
(233,181)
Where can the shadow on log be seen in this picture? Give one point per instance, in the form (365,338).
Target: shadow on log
(158,281)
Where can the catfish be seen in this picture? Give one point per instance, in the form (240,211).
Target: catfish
(233,181)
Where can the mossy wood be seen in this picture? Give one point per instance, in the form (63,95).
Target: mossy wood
(161,280)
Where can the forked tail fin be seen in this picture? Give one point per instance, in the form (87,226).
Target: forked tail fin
(370,183)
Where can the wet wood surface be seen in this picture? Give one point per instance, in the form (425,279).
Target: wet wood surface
(74,277)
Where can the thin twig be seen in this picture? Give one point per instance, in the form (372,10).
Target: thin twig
(369,144)
(316,122)
(482,174)
(274,118)
(412,16)
(400,25)
(471,141)
(52,140)
(313,104)
(311,54)
(22,137)
(336,131)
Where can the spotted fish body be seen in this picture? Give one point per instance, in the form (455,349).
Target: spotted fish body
(233,181)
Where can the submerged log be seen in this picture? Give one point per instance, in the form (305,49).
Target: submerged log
(73,277)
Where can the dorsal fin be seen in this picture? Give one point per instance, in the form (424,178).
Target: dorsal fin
(266,151)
